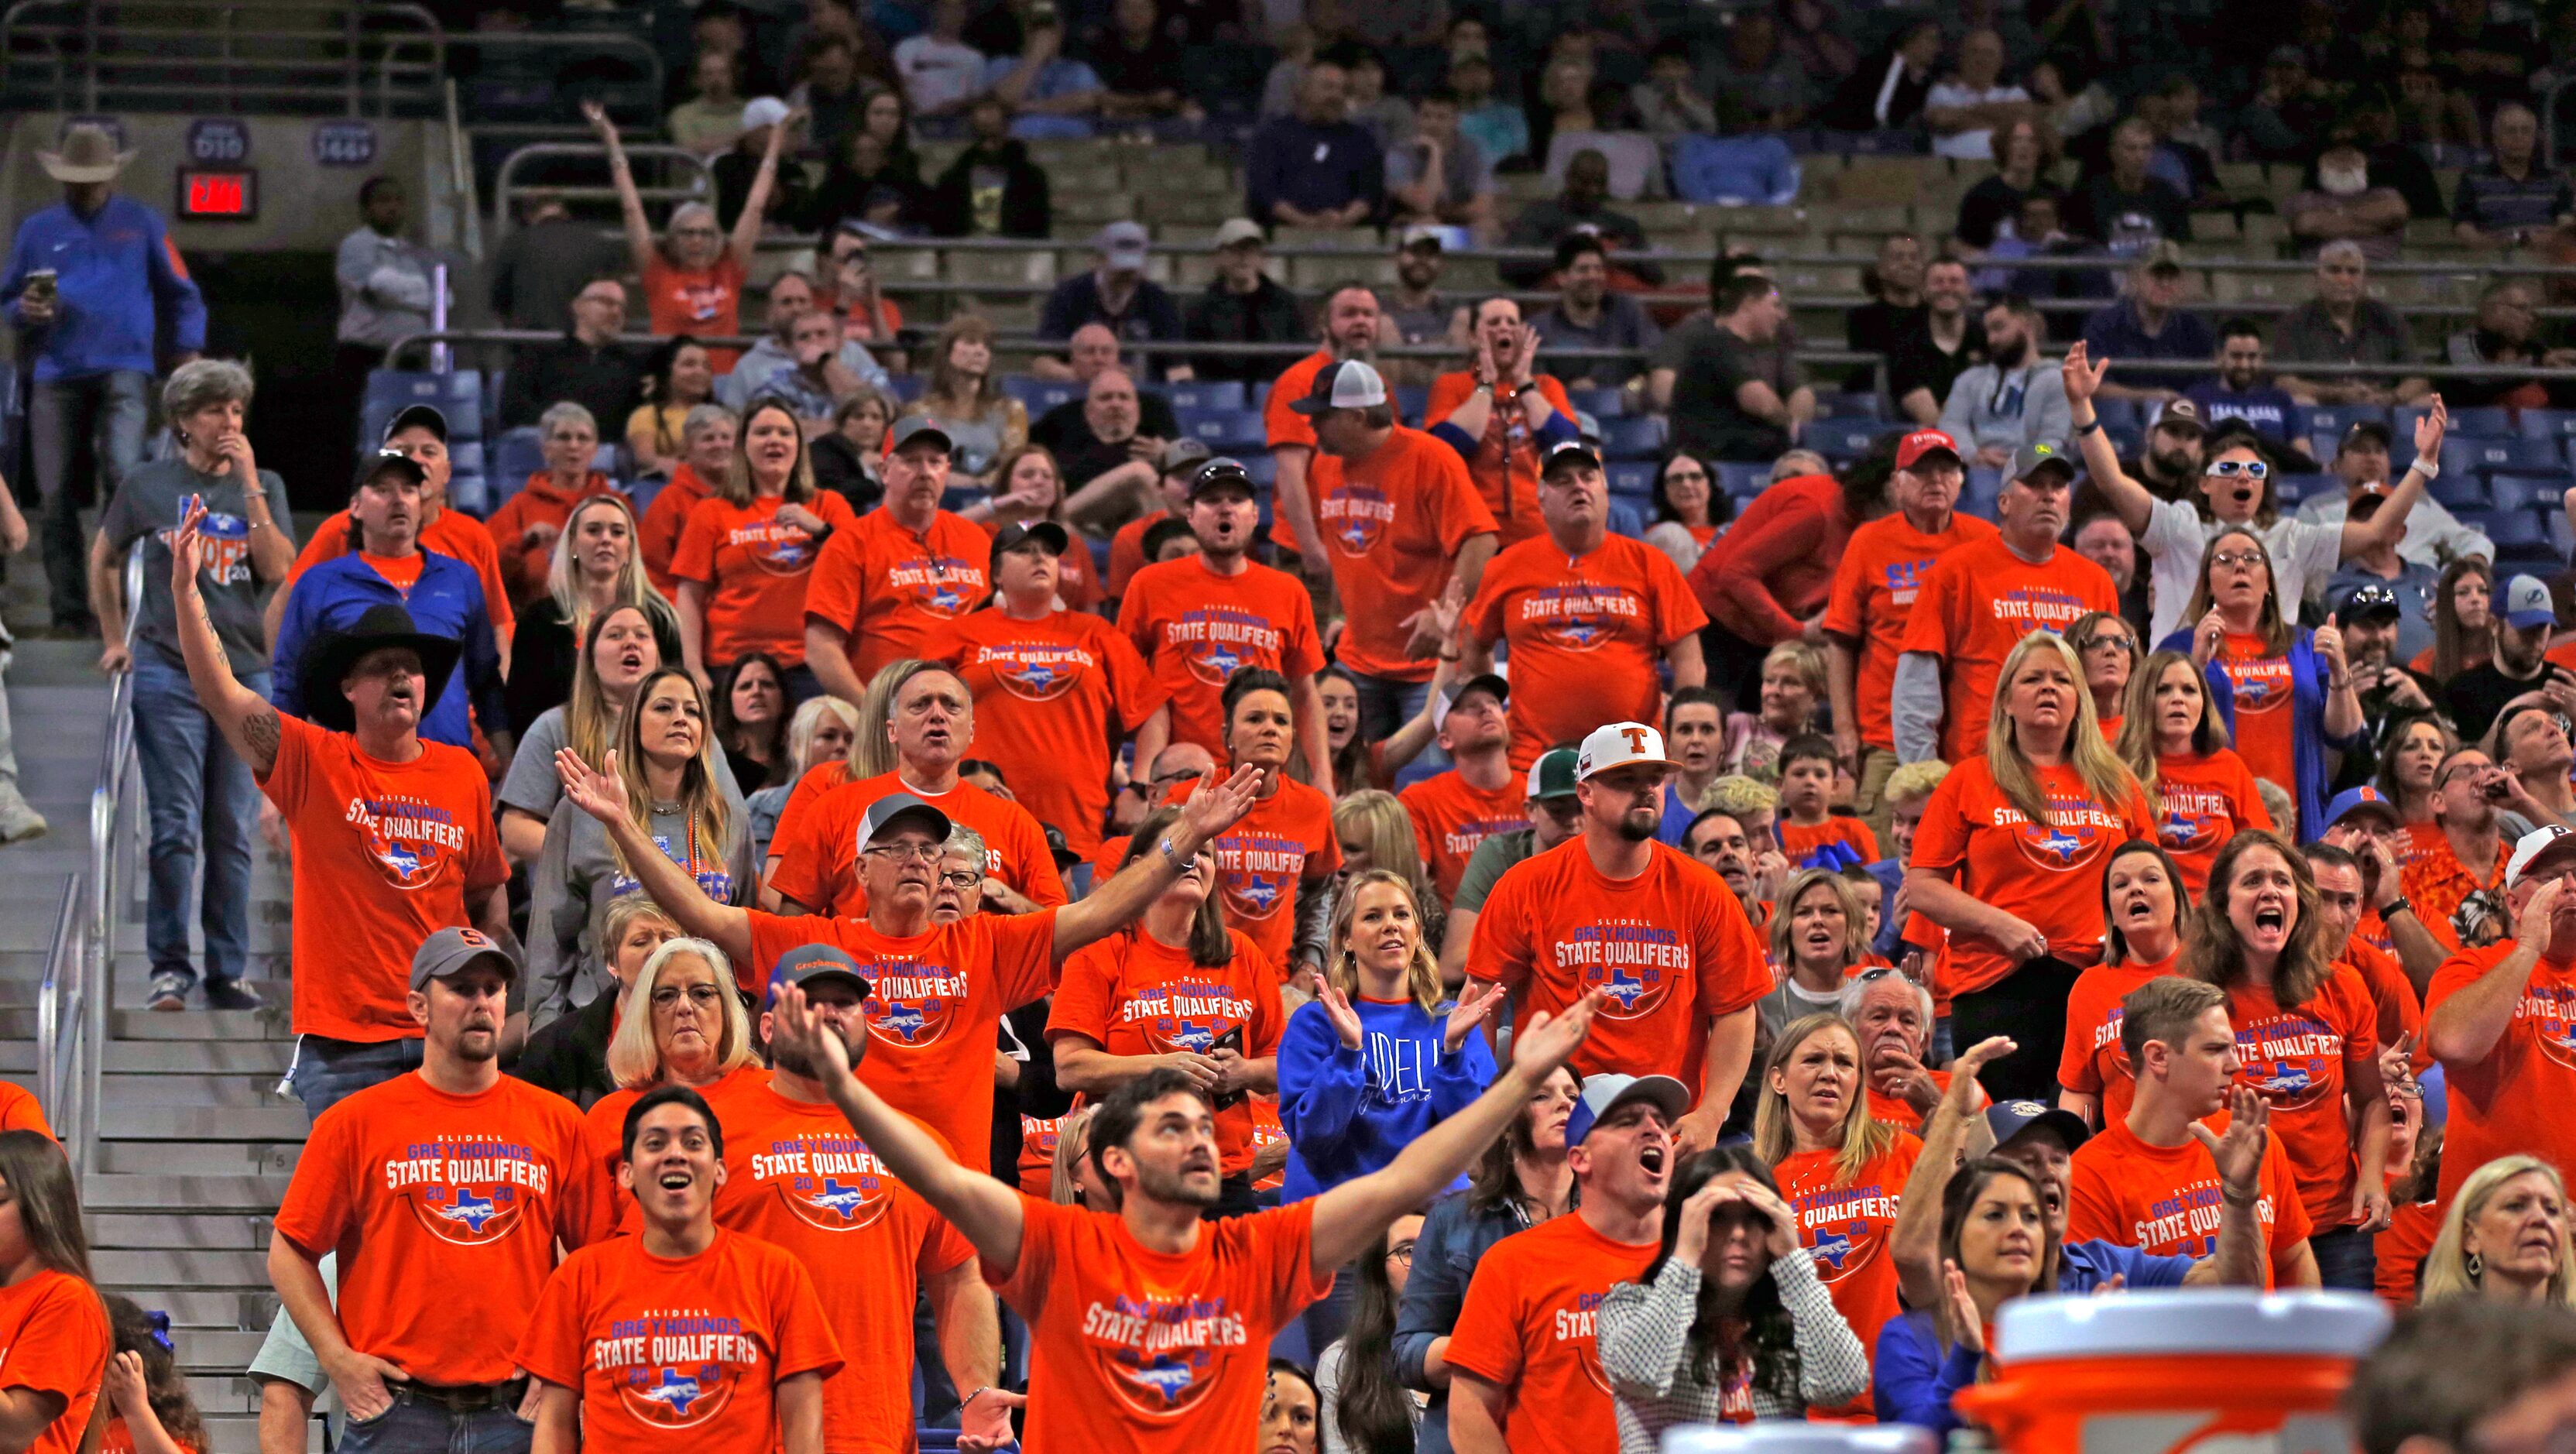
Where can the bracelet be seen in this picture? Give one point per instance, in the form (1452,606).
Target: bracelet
(2095,427)
(2430,469)
(1170,850)
(1453,656)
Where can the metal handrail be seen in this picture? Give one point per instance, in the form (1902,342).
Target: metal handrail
(505,190)
(61,1012)
(86,58)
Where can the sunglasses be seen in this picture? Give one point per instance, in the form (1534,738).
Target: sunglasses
(2228,469)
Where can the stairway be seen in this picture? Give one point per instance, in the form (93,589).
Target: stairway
(195,1144)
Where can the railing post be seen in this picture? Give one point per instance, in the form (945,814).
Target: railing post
(440,360)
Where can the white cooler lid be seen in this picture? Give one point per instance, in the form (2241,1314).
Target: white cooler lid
(2220,1320)
(1792,1438)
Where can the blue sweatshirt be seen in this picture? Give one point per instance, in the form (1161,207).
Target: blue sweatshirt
(447,601)
(1348,1112)
(111,273)
(2308,739)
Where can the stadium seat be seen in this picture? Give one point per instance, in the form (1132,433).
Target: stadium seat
(1039,395)
(905,388)
(2334,419)
(1640,438)
(2459,490)
(2484,422)
(2120,414)
(958,497)
(2528,455)
(1851,406)
(1263,470)
(465,457)
(2548,423)
(2527,492)
(2516,531)
(471,494)
(1743,481)
(2292,488)
(1410,401)
(457,395)
(515,456)
(640,493)
(1206,394)
(1984,486)
(1841,439)
(1601,404)
(1635,479)
(1223,430)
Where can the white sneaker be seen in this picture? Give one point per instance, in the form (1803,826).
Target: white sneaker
(17,820)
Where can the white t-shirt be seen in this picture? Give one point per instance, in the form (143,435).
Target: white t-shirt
(938,72)
(2303,552)
(1968,146)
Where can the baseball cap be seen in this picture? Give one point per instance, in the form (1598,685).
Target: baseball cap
(1489,683)
(762,111)
(422,416)
(1349,384)
(918,426)
(2539,843)
(453,951)
(1570,455)
(2164,257)
(1238,231)
(2364,799)
(1044,532)
(2364,602)
(1420,233)
(1603,1094)
(1552,776)
(2007,1119)
(1219,474)
(2183,415)
(1617,745)
(1059,847)
(1183,453)
(2042,454)
(1911,450)
(2526,604)
(388,462)
(894,809)
(2368,429)
(814,963)
(1123,243)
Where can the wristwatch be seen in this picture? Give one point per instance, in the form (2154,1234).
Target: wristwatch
(1171,852)
(2396,906)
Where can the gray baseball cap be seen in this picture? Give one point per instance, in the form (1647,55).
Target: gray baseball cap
(451,952)
(2042,454)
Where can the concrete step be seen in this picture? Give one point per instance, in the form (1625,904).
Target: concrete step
(199,1271)
(203,1123)
(228,1393)
(231,1309)
(261,1056)
(191,1231)
(233,1025)
(251,1089)
(217,1350)
(162,1193)
(239,1434)
(181,1158)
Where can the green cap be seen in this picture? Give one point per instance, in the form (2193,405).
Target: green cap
(1552,776)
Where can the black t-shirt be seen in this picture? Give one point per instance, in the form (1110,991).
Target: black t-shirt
(1705,417)
(2128,222)
(2477,695)
(1918,362)
(1136,72)
(1063,428)
(1988,205)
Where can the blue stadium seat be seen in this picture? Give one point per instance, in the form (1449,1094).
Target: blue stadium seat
(2516,530)
(1263,469)
(515,456)
(2459,490)
(465,457)
(958,497)
(1627,518)
(640,493)
(905,388)
(1851,406)
(1984,485)
(1410,401)
(1633,478)
(2527,492)
(2324,445)
(2334,419)
(1601,404)
(2120,414)
(605,460)
(2548,423)
(457,395)
(2291,489)
(1223,430)
(1039,395)
(471,494)
(2483,422)
(1743,481)
(2525,455)
(2562,536)
(1641,437)
(1843,438)
(1205,394)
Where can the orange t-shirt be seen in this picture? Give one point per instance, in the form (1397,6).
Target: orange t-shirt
(758,571)
(1975,604)
(1077,580)
(2201,802)
(1127,551)
(2400,1011)
(603,1132)
(937,1004)
(1875,583)
(389,853)
(539,502)
(817,842)
(2264,710)
(703,302)
(1392,525)
(1670,946)
(1286,840)
(1051,696)
(445,1211)
(1505,464)
(2164,1200)
(2301,1060)
(1038,1136)
(2401,1249)
(1134,1349)
(1132,994)
(2516,1099)
(21,1111)
(454,534)
(797,1177)
(1288,428)
(657,535)
(402,572)
(2093,1063)
(1587,636)
(1267,1132)
(54,1338)
(1451,816)
(2047,875)
(1846,1224)
(2436,882)
(1198,628)
(1797,840)
(1530,1327)
(892,590)
(679,1355)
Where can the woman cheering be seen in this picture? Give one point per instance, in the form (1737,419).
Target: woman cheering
(2144,911)
(746,555)
(621,650)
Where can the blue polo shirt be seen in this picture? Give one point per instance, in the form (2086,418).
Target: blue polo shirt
(2084,1266)
(446,601)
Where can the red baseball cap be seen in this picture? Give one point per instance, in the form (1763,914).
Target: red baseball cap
(1926,441)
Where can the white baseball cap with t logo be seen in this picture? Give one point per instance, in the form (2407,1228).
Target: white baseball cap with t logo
(1620,744)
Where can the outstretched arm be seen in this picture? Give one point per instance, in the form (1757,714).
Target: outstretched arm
(1213,807)
(600,793)
(249,724)
(2387,525)
(746,228)
(987,1211)
(1351,1217)
(630,203)
(2083,380)
(1916,1240)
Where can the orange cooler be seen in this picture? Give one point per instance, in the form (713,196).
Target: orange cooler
(2186,1372)
(1785,1437)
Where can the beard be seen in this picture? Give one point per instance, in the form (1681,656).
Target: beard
(1639,824)
(2010,355)
(1173,1186)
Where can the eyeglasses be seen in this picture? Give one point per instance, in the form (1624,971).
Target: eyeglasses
(905,852)
(960,879)
(1401,1252)
(2125,642)
(667,995)
(2228,469)
(2231,559)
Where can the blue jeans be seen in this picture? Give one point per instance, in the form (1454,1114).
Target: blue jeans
(2346,1259)
(329,1071)
(99,418)
(195,789)
(1386,704)
(414,1425)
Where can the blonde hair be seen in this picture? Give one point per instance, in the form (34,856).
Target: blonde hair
(1808,660)
(1421,973)
(702,803)
(634,1061)
(634,587)
(1855,916)
(808,721)
(1915,780)
(2446,1267)
(1380,817)
(621,914)
(1735,794)
(2103,774)
(1864,1138)
(1072,1143)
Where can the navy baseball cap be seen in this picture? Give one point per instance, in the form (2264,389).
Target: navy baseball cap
(422,415)
(813,964)
(2007,1119)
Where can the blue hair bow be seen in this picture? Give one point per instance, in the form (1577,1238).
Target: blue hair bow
(159,1322)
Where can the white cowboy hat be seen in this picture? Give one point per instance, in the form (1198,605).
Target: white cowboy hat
(89,154)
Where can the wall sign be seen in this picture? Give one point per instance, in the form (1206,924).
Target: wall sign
(218,141)
(344,143)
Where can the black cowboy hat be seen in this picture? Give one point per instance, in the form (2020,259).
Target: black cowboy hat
(328,660)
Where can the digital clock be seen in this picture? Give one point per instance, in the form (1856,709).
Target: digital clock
(218,194)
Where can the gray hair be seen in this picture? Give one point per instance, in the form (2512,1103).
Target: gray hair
(686,210)
(1856,993)
(966,843)
(704,417)
(202,383)
(566,412)
(1799,462)
(2343,249)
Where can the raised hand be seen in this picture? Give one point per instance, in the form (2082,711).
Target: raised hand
(2328,643)
(1477,1003)
(1338,1012)
(596,791)
(2239,1154)
(1548,1041)
(1699,1210)
(2429,429)
(1782,1237)
(2397,1061)
(188,552)
(1214,807)
(2083,377)
(2208,637)
(2531,927)
(600,125)
(1966,1323)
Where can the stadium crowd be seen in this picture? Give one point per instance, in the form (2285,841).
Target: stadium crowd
(940,918)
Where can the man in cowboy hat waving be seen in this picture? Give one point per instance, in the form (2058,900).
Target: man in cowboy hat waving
(92,280)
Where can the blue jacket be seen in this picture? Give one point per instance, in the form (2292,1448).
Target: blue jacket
(1910,1380)
(111,273)
(1348,1112)
(2308,740)
(447,600)
(1452,1241)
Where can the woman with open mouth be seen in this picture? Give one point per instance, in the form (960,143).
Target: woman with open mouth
(623,647)
(2505,1238)
(746,556)
(2177,744)
(2145,909)
(681,1022)
(2407,767)
(2307,1033)
(1841,1169)
(1994,1248)
(1819,935)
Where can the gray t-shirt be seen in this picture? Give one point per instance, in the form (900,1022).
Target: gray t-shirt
(577,876)
(531,785)
(147,506)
